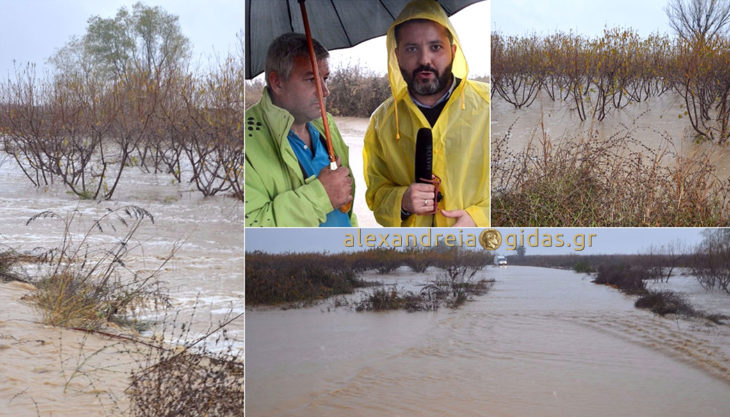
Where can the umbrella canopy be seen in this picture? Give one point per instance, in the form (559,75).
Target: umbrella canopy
(334,23)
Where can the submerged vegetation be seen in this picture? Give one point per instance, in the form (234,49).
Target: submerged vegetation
(452,288)
(123,97)
(90,282)
(592,181)
(586,180)
(306,277)
(608,73)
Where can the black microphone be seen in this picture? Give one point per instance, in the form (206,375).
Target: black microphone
(424,154)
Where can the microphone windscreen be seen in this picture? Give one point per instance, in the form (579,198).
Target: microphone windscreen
(424,154)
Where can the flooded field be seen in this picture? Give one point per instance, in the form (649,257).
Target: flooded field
(204,280)
(542,342)
(658,123)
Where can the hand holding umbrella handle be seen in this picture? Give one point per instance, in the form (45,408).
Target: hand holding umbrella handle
(320,95)
(345,208)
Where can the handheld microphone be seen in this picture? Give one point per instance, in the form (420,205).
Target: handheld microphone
(424,155)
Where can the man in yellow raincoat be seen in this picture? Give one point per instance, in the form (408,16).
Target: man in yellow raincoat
(429,85)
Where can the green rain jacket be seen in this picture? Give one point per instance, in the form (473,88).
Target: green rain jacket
(460,140)
(276,193)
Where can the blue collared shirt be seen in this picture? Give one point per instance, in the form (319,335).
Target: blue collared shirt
(312,160)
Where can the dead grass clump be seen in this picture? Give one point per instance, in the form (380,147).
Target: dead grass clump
(188,384)
(711,262)
(590,181)
(189,377)
(68,300)
(87,284)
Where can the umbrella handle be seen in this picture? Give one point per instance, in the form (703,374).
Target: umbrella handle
(320,95)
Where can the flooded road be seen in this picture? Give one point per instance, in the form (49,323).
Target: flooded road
(542,342)
(204,279)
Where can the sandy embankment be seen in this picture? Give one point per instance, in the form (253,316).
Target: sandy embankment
(49,371)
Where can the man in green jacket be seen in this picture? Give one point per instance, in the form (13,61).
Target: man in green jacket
(288,178)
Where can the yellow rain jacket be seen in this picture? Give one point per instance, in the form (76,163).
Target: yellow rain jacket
(460,140)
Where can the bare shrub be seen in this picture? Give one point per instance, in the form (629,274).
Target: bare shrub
(512,81)
(698,19)
(455,285)
(711,263)
(254,91)
(665,302)
(619,68)
(355,91)
(193,376)
(699,74)
(8,262)
(212,128)
(382,299)
(626,278)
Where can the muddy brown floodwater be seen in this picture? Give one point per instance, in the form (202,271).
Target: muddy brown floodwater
(204,280)
(659,123)
(542,342)
(353,133)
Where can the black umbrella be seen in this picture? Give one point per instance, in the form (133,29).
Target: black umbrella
(335,24)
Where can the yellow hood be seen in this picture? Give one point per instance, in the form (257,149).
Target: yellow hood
(420,9)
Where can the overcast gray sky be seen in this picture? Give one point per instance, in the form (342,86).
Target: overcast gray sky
(521,17)
(606,240)
(32,30)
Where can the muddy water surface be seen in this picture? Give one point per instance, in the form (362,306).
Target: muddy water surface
(204,279)
(353,133)
(659,123)
(542,343)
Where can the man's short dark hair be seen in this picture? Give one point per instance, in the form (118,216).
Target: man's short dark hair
(400,25)
(283,50)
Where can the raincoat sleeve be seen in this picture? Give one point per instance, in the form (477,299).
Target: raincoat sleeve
(383,196)
(304,206)
(480,213)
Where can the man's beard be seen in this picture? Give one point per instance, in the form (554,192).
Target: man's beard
(429,87)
